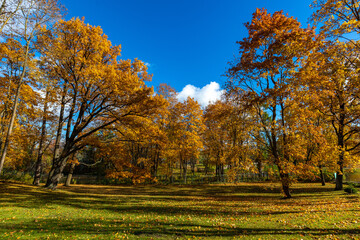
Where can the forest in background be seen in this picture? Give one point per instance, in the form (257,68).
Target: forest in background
(68,101)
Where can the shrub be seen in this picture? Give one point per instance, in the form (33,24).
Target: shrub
(17,176)
(351,189)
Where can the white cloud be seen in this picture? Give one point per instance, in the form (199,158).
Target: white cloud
(205,95)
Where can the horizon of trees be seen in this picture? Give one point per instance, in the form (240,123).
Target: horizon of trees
(291,106)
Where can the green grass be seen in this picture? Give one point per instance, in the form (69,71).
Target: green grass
(247,210)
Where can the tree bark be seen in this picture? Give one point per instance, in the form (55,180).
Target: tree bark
(156,160)
(339,181)
(53,180)
(339,178)
(322,177)
(184,164)
(339,174)
(70,174)
(193,163)
(38,166)
(56,173)
(341,145)
(285,181)
(10,128)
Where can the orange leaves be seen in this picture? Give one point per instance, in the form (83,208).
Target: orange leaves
(332,84)
(99,90)
(273,42)
(79,48)
(337,17)
(227,136)
(263,81)
(185,128)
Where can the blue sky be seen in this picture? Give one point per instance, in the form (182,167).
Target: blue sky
(185,42)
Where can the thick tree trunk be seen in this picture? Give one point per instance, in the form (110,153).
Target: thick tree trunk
(56,174)
(285,181)
(341,145)
(339,181)
(70,174)
(38,166)
(339,174)
(322,177)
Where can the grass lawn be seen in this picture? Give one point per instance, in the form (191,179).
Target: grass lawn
(246,210)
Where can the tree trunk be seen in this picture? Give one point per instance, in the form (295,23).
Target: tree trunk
(259,165)
(69,176)
(217,172)
(322,177)
(38,166)
(56,174)
(339,174)
(10,128)
(341,145)
(184,171)
(15,105)
(156,161)
(285,181)
(193,163)
(222,172)
(339,181)
(56,170)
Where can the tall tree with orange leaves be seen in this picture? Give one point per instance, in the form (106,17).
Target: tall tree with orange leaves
(338,63)
(96,88)
(28,16)
(261,76)
(332,82)
(184,128)
(227,138)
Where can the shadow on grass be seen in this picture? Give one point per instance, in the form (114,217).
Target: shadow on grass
(34,197)
(204,201)
(207,200)
(109,194)
(152,228)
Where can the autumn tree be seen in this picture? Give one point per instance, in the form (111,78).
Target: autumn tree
(184,129)
(20,52)
(215,135)
(135,150)
(333,84)
(340,20)
(169,157)
(227,138)
(24,138)
(96,89)
(337,18)
(132,151)
(46,120)
(261,76)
